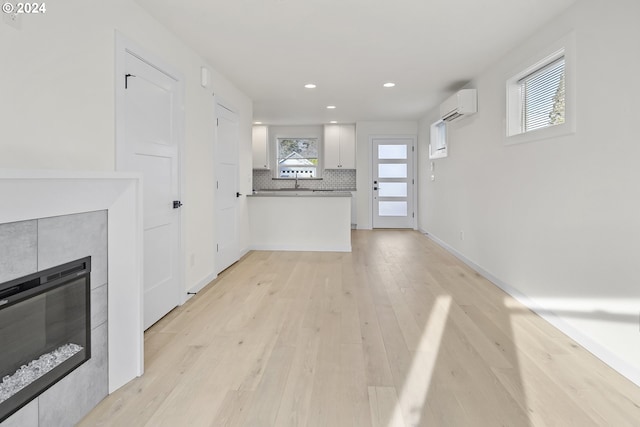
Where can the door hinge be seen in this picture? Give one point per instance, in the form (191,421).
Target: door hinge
(413,215)
(413,148)
(126,80)
(217,248)
(217,122)
(217,185)
(413,181)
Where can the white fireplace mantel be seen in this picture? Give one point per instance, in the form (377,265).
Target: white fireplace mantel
(27,195)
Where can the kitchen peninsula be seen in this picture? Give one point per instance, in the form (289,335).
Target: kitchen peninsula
(300,220)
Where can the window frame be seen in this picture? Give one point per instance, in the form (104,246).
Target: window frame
(438,148)
(274,156)
(565,47)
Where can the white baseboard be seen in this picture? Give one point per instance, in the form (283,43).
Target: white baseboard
(199,285)
(299,248)
(243,252)
(608,357)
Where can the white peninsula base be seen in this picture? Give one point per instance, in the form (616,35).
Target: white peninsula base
(315,223)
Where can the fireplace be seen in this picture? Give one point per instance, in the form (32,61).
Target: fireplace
(45,331)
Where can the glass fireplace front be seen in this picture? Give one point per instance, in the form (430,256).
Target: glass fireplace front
(45,331)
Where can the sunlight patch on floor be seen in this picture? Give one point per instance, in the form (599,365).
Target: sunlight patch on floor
(416,385)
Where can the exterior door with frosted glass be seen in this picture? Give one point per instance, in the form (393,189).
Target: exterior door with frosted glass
(393,182)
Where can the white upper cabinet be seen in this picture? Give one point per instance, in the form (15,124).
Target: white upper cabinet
(339,147)
(260,147)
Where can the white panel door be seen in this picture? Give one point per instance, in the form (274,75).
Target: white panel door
(151,145)
(393,182)
(227,188)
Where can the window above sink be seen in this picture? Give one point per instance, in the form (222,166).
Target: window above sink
(298,158)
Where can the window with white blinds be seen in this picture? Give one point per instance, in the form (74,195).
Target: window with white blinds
(543,96)
(537,105)
(438,142)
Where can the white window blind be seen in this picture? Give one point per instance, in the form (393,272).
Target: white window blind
(543,98)
(438,143)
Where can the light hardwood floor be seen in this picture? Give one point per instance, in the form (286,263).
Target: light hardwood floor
(396,333)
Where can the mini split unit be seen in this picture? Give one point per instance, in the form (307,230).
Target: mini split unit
(460,104)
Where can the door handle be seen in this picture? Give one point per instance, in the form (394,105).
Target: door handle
(238,194)
(177,204)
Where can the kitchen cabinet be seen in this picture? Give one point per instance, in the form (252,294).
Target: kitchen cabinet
(339,147)
(260,143)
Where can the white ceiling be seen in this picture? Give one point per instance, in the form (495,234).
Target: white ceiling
(349,48)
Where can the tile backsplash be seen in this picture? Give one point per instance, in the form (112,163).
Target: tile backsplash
(332,179)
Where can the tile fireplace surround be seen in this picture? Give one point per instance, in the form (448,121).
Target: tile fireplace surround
(42,214)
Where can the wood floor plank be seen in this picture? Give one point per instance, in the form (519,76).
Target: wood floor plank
(269,393)
(384,401)
(353,404)
(398,332)
(234,409)
(375,355)
(296,396)
(327,380)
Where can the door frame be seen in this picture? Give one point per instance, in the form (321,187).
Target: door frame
(414,161)
(219,102)
(123,47)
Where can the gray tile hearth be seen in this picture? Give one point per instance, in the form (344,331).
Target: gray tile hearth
(27,416)
(82,391)
(69,237)
(99,307)
(18,249)
(30,246)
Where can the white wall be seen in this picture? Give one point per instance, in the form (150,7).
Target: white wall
(364,132)
(57,105)
(555,220)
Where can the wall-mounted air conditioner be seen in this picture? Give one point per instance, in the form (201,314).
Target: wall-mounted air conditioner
(461,103)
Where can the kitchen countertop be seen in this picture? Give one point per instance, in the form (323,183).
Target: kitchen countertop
(301,193)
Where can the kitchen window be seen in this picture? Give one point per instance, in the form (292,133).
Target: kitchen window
(298,158)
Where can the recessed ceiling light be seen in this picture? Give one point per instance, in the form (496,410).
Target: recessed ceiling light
(310,86)
(257,123)
(331,107)
(333,122)
(389,84)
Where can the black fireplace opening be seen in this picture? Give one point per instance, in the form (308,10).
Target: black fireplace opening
(45,331)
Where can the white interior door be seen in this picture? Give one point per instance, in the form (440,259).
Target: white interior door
(150,143)
(392,184)
(227,188)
